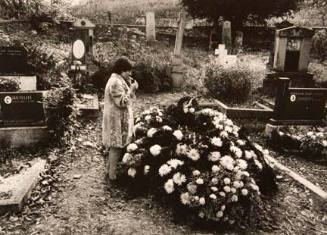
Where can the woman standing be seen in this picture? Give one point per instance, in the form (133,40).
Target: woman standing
(118,119)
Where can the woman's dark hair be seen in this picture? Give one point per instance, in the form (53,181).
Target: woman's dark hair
(121,65)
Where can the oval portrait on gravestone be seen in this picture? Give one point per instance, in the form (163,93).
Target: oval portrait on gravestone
(7,99)
(78,49)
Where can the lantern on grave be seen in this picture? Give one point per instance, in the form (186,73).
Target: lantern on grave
(292,49)
(82,46)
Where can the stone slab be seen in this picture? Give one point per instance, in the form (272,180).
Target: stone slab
(89,105)
(20,187)
(16,137)
(26,83)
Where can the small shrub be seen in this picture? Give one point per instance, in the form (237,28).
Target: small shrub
(319,44)
(61,114)
(8,85)
(232,84)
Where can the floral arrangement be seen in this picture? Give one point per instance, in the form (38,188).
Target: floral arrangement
(202,165)
(311,144)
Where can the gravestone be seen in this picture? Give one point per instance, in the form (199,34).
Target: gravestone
(18,109)
(150,27)
(238,42)
(226,36)
(298,105)
(13,66)
(223,58)
(291,58)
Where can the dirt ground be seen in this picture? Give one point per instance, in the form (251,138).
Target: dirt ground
(81,204)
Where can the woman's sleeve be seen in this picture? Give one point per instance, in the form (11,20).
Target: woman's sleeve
(119,95)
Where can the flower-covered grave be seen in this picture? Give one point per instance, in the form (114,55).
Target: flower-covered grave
(199,161)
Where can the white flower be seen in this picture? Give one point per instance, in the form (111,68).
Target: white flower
(193,154)
(234,198)
(181,149)
(229,122)
(216,141)
(236,184)
(247,174)
(196,173)
(220,214)
(146,169)
(233,190)
(215,169)
(179,178)
(178,134)
(237,151)
(228,129)
(259,147)
(151,132)
(196,198)
(147,118)
(258,164)
(158,119)
(227,189)
(236,169)
(213,196)
(191,188)
(310,133)
(127,157)
(174,163)
(227,162)
(192,110)
(131,172)
(199,181)
(214,156)
(227,180)
(223,194)
(244,192)
(201,214)
(214,181)
(155,150)
(169,186)
(242,164)
(167,128)
(248,155)
(131,147)
(164,170)
(240,142)
(324,143)
(185,198)
(214,189)
(223,134)
(241,184)
(254,187)
(202,201)
(223,207)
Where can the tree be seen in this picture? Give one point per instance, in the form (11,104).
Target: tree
(237,11)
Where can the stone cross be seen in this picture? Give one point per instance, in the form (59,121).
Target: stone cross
(180,33)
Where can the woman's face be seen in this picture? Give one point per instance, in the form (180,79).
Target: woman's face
(126,74)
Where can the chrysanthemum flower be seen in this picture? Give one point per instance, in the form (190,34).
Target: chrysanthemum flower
(227,162)
(248,155)
(191,188)
(227,189)
(214,189)
(227,181)
(131,147)
(155,150)
(234,198)
(215,169)
(147,118)
(127,157)
(179,178)
(158,119)
(193,154)
(196,173)
(164,170)
(131,172)
(167,128)
(236,184)
(214,156)
(151,132)
(220,214)
(199,181)
(181,149)
(244,192)
(240,142)
(214,181)
(223,134)
(178,134)
(174,163)
(228,129)
(242,164)
(223,207)
(169,186)
(185,198)
(233,190)
(202,201)
(213,196)
(222,194)
(216,141)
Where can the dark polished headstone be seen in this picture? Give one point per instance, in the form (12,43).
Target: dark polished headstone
(13,61)
(21,109)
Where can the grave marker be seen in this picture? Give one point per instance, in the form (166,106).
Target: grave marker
(18,109)
(150,27)
(226,37)
(13,61)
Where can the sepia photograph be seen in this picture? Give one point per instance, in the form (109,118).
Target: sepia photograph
(163,117)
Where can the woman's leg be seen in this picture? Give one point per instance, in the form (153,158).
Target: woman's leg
(114,157)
